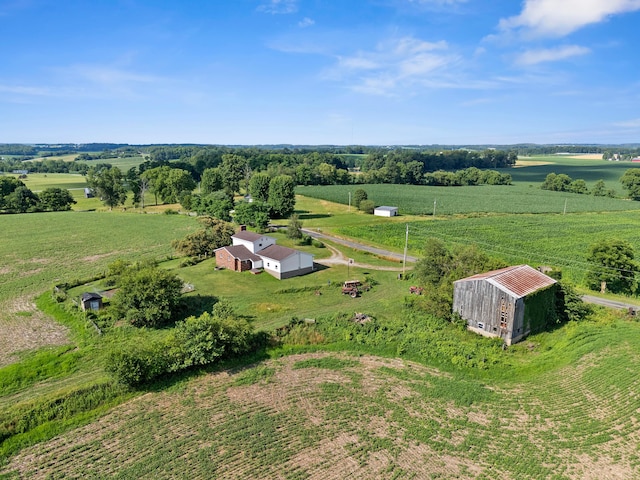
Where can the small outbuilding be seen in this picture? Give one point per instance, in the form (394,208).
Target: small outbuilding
(385,211)
(283,262)
(91,301)
(509,303)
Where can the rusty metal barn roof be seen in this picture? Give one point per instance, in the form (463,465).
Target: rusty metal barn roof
(521,280)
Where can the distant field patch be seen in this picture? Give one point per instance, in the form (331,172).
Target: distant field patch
(588,156)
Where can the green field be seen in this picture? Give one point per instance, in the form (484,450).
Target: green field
(419,200)
(40,181)
(555,240)
(404,396)
(337,416)
(590,170)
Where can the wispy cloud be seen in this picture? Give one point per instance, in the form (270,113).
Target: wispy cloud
(533,57)
(553,18)
(397,63)
(279,6)
(634,123)
(306,22)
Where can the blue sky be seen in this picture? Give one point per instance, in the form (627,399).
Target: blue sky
(374,72)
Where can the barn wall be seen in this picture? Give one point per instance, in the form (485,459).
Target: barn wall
(540,309)
(479,303)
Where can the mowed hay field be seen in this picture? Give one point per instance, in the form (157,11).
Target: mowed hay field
(335,416)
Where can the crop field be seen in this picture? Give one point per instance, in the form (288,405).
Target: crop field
(419,200)
(333,416)
(555,240)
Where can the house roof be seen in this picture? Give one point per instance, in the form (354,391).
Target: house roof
(247,235)
(277,252)
(519,280)
(91,296)
(240,252)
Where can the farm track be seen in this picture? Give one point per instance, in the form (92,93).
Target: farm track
(339,258)
(359,246)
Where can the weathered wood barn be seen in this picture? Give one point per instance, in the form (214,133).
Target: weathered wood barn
(509,303)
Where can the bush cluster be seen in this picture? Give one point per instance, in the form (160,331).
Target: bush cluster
(196,341)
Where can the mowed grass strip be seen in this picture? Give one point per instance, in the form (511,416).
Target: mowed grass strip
(371,418)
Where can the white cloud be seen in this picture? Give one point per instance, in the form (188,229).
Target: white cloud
(395,64)
(533,57)
(306,22)
(279,6)
(557,18)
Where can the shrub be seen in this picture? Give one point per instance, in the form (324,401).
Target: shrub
(367,206)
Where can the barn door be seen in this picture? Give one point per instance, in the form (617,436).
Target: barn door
(504,317)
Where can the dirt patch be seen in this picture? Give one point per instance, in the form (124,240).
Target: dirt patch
(530,163)
(23,327)
(4,270)
(95,258)
(587,156)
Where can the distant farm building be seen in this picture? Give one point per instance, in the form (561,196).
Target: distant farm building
(256,252)
(509,303)
(91,301)
(385,211)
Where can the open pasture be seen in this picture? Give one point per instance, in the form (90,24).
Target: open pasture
(40,181)
(333,416)
(419,200)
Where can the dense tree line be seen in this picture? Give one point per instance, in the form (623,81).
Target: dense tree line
(564,183)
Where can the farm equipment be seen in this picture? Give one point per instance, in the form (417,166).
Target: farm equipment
(416,290)
(350,287)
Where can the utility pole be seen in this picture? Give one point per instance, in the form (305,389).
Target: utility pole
(564,212)
(434,207)
(404,260)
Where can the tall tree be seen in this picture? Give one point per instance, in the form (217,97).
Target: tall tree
(211,181)
(259,187)
(233,170)
(631,182)
(282,197)
(56,199)
(108,184)
(612,266)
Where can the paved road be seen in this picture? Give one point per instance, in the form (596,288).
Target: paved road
(358,246)
(609,303)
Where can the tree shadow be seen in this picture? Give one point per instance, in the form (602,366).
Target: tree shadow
(314,215)
(198,304)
